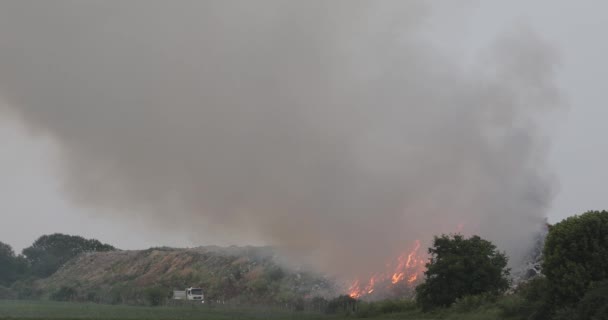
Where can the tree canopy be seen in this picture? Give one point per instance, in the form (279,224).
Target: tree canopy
(576,256)
(50,252)
(8,264)
(594,304)
(460,267)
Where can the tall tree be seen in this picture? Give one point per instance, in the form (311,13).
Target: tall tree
(576,256)
(459,267)
(47,254)
(8,264)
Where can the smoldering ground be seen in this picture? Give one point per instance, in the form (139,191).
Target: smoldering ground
(334,129)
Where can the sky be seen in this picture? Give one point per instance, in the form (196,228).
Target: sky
(33,201)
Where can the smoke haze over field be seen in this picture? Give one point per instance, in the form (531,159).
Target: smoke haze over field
(335,129)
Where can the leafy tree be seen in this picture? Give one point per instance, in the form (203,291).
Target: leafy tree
(461,267)
(47,254)
(594,305)
(8,264)
(576,256)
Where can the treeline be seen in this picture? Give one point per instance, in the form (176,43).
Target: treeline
(40,260)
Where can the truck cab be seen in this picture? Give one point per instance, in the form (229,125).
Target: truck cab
(195,294)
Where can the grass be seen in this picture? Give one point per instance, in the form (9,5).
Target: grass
(20,309)
(41,310)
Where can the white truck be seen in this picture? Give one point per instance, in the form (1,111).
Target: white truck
(192,294)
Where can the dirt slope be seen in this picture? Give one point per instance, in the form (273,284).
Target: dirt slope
(234,274)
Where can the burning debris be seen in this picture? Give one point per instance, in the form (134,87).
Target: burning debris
(406,271)
(400,277)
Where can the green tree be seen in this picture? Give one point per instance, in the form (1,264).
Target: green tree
(8,264)
(461,267)
(156,296)
(50,252)
(576,256)
(594,304)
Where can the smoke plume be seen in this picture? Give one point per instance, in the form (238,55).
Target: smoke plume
(335,129)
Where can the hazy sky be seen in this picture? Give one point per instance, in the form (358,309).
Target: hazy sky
(32,201)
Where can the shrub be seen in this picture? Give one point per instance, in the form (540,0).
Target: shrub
(367,309)
(566,313)
(372,309)
(92,296)
(395,306)
(536,301)
(156,296)
(115,296)
(122,293)
(275,273)
(299,304)
(24,289)
(343,303)
(470,303)
(7,293)
(513,306)
(64,293)
(319,303)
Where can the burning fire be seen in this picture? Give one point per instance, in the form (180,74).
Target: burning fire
(404,270)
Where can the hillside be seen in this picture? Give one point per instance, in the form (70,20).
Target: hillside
(234,275)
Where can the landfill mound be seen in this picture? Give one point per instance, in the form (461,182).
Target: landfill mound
(226,274)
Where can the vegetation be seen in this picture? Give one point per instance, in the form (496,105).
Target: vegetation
(18,273)
(50,252)
(575,269)
(388,309)
(8,265)
(343,304)
(594,305)
(576,256)
(20,309)
(461,267)
(64,293)
(530,300)
(157,296)
(404,308)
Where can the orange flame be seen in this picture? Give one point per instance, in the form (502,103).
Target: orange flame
(355,291)
(408,267)
(412,278)
(397,277)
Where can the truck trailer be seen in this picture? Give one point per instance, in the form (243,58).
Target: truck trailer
(192,294)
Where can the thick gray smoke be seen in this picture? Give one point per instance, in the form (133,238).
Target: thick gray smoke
(334,129)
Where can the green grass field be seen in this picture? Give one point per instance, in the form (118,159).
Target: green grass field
(19,309)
